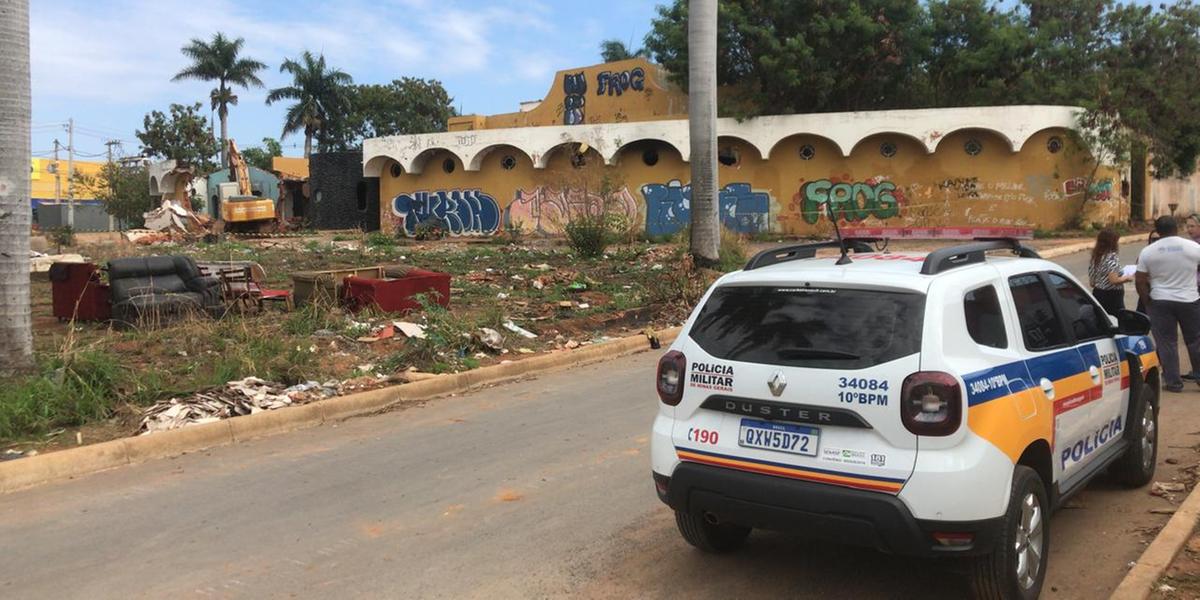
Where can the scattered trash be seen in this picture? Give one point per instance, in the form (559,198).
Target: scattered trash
(539,284)
(517,329)
(242,397)
(411,330)
(15,454)
(524,351)
(583,305)
(542,267)
(491,339)
(577,286)
(1164,588)
(1171,461)
(517,278)
(566,304)
(657,267)
(1164,490)
(383,333)
(367,368)
(501,296)
(1162,511)
(571,345)
(655,344)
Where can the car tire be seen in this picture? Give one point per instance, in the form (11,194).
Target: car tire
(710,537)
(1016,568)
(1135,468)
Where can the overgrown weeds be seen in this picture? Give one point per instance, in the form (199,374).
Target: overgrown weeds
(67,391)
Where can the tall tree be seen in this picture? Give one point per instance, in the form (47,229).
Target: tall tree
(799,56)
(219,61)
(320,95)
(121,189)
(702,130)
(405,106)
(261,156)
(184,136)
(16,337)
(614,50)
(978,54)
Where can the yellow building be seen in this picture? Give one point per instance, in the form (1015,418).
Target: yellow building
(46,173)
(613,138)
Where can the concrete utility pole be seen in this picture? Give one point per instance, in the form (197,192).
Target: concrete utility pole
(702,129)
(110,144)
(71,172)
(57,176)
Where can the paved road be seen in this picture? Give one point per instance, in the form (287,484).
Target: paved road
(534,489)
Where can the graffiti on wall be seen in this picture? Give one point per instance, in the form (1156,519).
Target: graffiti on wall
(575,88)
(1099,191)
(547,211)
(965,187)
(742,210)
(850,201)
(459,212)
(618,83)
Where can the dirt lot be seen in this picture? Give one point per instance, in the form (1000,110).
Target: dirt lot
(103,377)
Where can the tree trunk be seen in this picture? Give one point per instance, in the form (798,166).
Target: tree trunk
(224,137)
(16,339)
(308,136)
(702,129)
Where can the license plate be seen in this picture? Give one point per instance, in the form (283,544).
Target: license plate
(780,437)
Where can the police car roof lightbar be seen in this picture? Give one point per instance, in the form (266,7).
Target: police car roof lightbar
(944,259)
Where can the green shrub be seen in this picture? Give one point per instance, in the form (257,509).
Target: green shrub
(589,235)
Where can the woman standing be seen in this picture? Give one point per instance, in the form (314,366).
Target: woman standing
(1104,271)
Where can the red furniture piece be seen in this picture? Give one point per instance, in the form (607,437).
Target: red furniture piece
(78,293)
(395,290)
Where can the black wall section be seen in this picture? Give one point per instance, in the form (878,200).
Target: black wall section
(341,198)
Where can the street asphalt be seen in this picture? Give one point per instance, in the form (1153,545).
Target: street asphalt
(539,488)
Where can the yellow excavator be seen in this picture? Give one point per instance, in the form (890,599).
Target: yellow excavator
(241,210)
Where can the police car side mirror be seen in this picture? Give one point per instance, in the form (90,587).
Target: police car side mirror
(1132,322)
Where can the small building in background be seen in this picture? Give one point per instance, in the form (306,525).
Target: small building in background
(56,203)
(293,187)
(341,197)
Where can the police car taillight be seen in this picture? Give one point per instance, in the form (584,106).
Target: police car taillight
(931,403)
(670,377)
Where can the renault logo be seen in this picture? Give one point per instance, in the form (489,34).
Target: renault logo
(777,383)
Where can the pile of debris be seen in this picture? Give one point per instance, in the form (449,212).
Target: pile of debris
(169,222)
(243,397)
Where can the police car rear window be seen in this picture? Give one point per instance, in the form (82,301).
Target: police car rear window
(818,327)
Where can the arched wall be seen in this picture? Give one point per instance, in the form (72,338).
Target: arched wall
(946,167)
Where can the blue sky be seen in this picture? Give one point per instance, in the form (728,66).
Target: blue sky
(109,62)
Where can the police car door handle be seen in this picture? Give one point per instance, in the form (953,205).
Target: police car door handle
(1048,388)
(1095,373)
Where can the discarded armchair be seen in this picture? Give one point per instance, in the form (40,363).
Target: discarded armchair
(155,288)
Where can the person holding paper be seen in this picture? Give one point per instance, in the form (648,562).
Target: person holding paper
(1105,274)
(1166,281)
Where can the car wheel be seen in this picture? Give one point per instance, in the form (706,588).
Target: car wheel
(1016,568)
(1136,467)
(709,536)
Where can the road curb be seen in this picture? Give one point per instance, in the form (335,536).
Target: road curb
(1139,581)
(28,472)
(1081,246)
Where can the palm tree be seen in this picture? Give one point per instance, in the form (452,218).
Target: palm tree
(614,50)
(319,92)
(218,61)
(16,340)
(702,129)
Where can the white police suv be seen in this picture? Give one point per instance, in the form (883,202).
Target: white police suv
(933,405)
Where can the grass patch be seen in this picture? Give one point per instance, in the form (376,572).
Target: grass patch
(66,392)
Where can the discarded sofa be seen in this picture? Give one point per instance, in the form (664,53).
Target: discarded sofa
(155,288)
